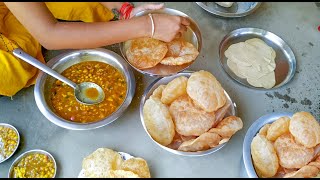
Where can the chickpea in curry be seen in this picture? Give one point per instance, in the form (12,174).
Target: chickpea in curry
(110,79)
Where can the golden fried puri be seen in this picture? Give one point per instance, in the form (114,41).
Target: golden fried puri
(305,129)
(304,172)
(157,93)
(264,130)
(179,52)
(138,166)
(158,121)
(145,53)
(206,91)
(228,126)
(292,154)
(203,142)
(277,128)
(174,89)
(264,156)
(190,120)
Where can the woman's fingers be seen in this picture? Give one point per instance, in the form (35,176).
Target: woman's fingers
(185,21)
(151,6)
(182,29)
(146,7)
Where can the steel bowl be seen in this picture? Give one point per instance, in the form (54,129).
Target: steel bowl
(17,160)
(18,140)
(62,62)
(238,9)
(251,133)
(232,111)
(192,35)
(285,59)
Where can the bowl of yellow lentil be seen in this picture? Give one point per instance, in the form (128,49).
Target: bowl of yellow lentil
(57,102)
(35,163)
(9,141)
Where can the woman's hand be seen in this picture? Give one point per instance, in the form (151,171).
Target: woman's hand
(168,27)
(144,7)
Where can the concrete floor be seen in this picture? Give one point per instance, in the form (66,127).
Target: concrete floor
(295,23)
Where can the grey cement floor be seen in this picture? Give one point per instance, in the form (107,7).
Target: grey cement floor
(295,23)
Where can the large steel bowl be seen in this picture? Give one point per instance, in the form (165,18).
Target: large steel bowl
(62,62)
(192,35)
(232,111)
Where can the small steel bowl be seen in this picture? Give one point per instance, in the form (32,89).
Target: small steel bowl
(18,141)
(17,160)
(238,9)
(192,35)
(285,59)
(251,133)
(64,61)
(165,80)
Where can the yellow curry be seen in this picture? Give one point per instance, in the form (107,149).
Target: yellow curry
(34,166)
(110,79)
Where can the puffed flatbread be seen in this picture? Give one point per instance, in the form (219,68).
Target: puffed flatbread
(228,126)
(145,53)
(292,154)
(98,164)
(189,119)
(138,166)
(203,142)
(175,88)
(278,127)
(264,130)
(157,93)
(304,172)
(264,156)
(206,91)
(179,52)
(305,129)
(158,121)
(121,174)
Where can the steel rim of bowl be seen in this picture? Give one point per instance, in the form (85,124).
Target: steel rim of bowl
(190,154)
(18,141)
(177,12)
(18,159)
(259,32)
(251,133)
(230,15)
(59,121)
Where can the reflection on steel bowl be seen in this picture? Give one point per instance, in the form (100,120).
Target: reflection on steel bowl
(231,111)
(33,164)
(192,35)
(46,86)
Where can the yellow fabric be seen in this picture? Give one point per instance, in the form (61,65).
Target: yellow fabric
(16,74)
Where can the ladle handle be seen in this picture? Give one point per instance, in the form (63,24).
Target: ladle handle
(34,62)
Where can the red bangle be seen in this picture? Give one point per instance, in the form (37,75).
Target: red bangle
(126,10)
(124,5)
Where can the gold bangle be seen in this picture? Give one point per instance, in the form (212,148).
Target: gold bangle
(152,24)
